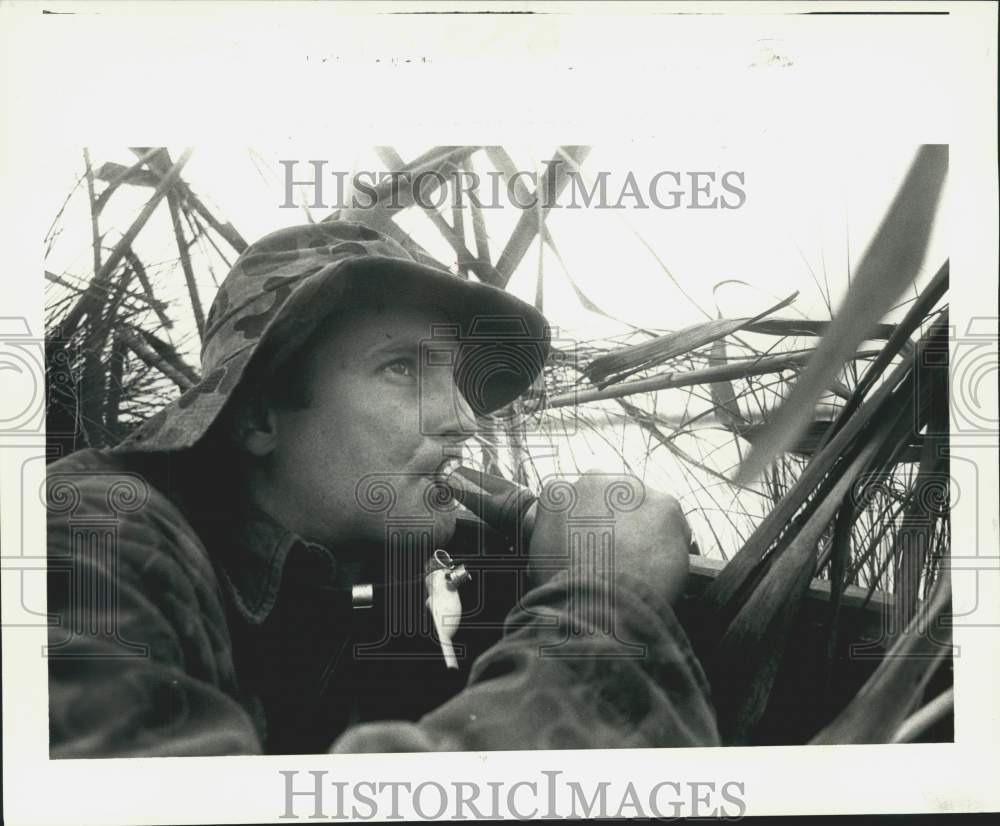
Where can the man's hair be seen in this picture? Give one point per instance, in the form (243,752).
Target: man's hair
(288,387)
(285,386)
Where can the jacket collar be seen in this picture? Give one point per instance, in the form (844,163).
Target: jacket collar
(257,555)
(251,549)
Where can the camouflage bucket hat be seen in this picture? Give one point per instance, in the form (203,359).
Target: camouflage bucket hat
(284,285)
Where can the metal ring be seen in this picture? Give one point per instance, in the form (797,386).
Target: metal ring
(363,595)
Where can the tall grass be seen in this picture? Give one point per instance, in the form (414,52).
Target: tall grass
(805,447)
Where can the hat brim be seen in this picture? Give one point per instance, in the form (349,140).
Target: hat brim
(504,341)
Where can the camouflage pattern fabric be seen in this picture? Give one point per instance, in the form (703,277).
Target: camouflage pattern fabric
(289,281)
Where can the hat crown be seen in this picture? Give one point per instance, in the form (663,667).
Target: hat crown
(270,270)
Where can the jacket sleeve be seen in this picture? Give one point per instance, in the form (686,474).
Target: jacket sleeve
(585,662)
(139,653)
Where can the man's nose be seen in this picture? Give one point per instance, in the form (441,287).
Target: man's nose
(445,412)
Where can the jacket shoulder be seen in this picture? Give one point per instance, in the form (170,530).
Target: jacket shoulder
(93,493)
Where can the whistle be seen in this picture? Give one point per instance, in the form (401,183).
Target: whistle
(442,580)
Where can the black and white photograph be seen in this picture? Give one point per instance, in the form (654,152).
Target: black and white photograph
(543,410)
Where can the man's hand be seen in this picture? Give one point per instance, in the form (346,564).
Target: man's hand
(648,536)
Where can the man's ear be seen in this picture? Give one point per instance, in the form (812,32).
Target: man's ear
(255,426)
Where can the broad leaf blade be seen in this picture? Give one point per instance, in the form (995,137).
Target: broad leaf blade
(744,664)
(669,346)
(888,266)
(879,710)
(727,410)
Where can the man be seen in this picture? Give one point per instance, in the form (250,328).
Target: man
(210,575)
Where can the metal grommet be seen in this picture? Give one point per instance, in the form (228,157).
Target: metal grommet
(457,576)
(363,595)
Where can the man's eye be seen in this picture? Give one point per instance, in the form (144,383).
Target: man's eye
(401,367)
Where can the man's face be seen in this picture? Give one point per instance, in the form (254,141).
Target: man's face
(373,410)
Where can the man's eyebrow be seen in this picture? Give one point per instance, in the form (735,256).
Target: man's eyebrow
(396,345)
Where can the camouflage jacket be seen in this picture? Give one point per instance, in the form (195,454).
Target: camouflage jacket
(235,638)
